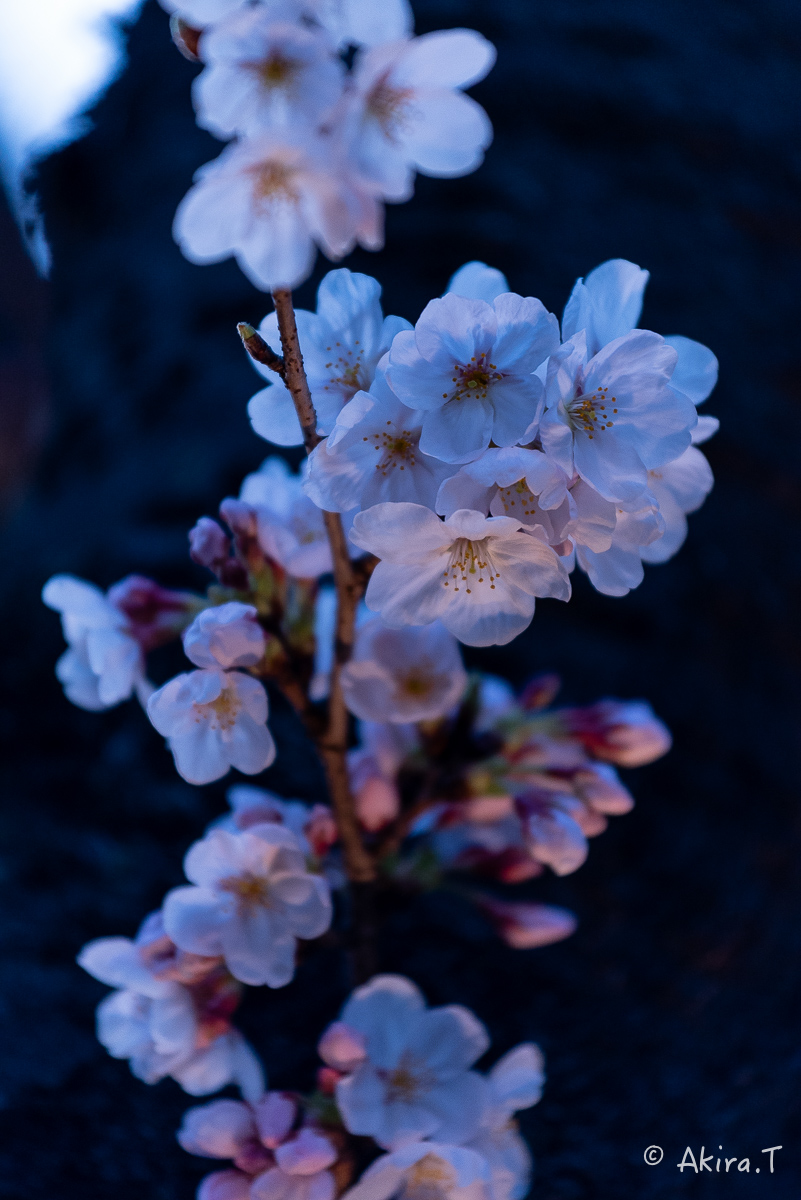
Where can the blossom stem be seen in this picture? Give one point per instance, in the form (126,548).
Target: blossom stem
(359,863)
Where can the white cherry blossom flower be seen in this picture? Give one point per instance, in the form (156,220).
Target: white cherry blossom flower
(226,636)
(342,344)
(415,1079)
(425,1171)
(363,22)
(252,898)
(213,720)
(403,675)
(290,525)
(313,825)
(515,1082)
(406,110)
(607,305)
(157,1024)
(476,281)
(618,568)
(611,418)
(479,576)
(269,201)
(469,366)
(103,664)
(373,454)
(680,487)
(264,74)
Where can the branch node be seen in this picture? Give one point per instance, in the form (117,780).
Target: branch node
(258,349)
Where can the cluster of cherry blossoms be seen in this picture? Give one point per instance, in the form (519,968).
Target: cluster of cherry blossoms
(480,457)
(457,470)
(319,147)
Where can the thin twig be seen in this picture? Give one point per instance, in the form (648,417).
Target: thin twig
(359,863)
(259,350)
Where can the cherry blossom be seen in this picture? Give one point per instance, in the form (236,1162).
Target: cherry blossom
(406,111)
(610,418)
(226,636)
(300,1171)
(513,482)
(425,1169)
(165,1027)
(403,675)
(515,1082)
(103,664)
(265,74)
(373,770)
(363,22)
(200,13)
(213,720)
(469,366)
(373,454)
(252,898)
(313,826)
(624,732)
(415,1080)
(617,567)
(476,281)
(290,525)
(680,487)
(524,925)
(479,576)
(269,201)
(552,828)
(342,344)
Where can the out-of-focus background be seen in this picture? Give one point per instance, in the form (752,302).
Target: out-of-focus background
(664,133)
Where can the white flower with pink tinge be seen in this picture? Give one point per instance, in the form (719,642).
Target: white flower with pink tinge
(373,454)
(515,1082)
(478,575)
(406,110)
(104,663)
(403,675)
(216,718)
(252,898)
(410,1065)
(425,1171)
(264,74)
(469,366)
(269,202)
(342,344)
(164,1027)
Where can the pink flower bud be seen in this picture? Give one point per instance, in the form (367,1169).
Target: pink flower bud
(275,1115)
(342,1047)
(526,926)
(377,803)
(625,732)
(241,518)
(209,546)
(540,692)
(321,830)
(224,1185)
(154,614)
(599,786)
(306,1154)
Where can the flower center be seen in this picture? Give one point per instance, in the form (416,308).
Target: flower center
(349,374)
(277,71)
(389,106)
(420,681)
(470,563)
(518,499)
(591,413)
(249,889)
(396,448)
(474,379)
(274,182)
(431,1178)
(407,1082)
(220,713)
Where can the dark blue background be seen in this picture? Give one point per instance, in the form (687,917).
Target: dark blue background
(664,133)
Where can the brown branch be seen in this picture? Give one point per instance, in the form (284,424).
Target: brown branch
(359,863)
(259,350)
